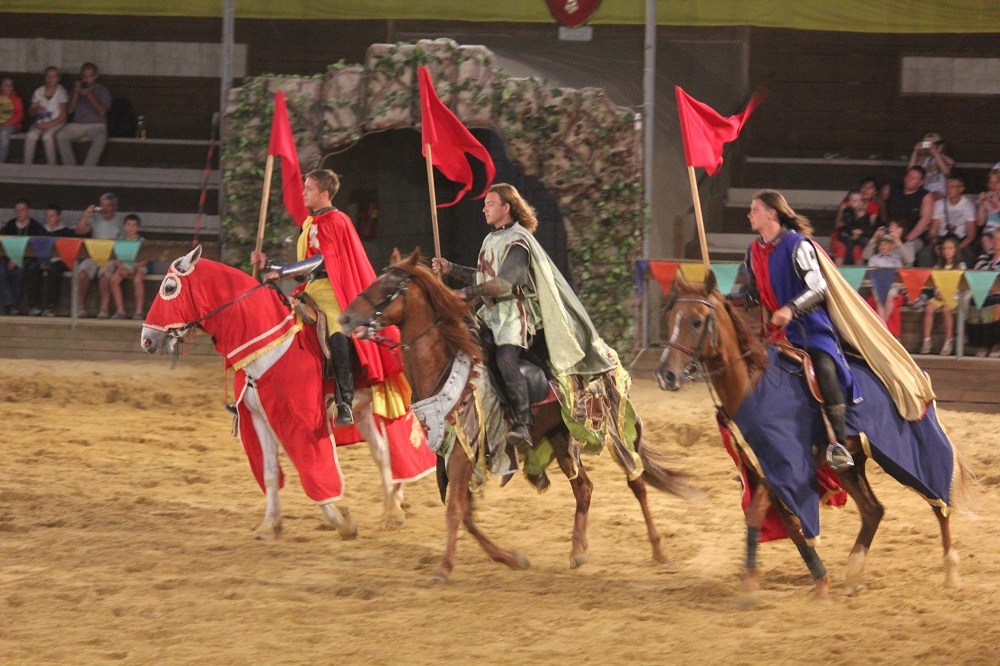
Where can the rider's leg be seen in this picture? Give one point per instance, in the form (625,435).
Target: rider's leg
(836,455)
(342,354)
(517,392)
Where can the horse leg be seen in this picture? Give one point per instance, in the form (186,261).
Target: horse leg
(638,486)
(871,510)
(821,577)
(755,512)
(952,580)
(459,477)
(340,517)
(270,527)
(582,491)
(378,443)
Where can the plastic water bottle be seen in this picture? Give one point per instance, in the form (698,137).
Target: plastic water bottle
(140,128)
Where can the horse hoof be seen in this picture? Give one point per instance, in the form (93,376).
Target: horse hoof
(852,589)
(440,576)
(521,561)
(578,560)
(394,523)
(349,528)
(267,532)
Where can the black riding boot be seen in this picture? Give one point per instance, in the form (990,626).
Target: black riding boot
(343,370)
(838,458)
(520,407)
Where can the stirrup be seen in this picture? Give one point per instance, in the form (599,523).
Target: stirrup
(838,458)
(345,415)
(519,437)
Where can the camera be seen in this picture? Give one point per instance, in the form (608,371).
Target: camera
(926,144)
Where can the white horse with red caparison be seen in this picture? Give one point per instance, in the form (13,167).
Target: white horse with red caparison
(278,384)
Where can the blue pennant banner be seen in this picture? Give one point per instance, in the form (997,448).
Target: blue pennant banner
(882,280)
(980,282)
(854,275)
(725,275)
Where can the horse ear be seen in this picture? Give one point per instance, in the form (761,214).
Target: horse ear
(711,284)
(671,298)
(188,261)
(414,257)
(395,257)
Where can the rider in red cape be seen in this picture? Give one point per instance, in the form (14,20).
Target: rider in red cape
(336,267)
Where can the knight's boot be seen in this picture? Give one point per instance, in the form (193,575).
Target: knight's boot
(520,407)
(343,370)
(837,457)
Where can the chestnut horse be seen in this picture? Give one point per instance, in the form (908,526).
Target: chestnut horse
(434,327)
(703,329)
(279,390)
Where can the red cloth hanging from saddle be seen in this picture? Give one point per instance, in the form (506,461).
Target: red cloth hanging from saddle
(350,273)
(772,529)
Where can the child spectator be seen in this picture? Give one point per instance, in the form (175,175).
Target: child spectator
(853,229)
(949,261)
(12,276)
(51,289)
(116,272)
(988,210)
(11,115)
(955,215)
(889,252)
(988,261)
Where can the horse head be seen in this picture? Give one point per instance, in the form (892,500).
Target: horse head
(383,303)
(689,318)
(191,291)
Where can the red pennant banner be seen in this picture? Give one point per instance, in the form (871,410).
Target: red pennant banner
(914,280)
(572,13)
(664,273)
(68,249)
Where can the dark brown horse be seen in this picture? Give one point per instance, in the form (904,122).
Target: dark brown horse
(702,328)
(434,327)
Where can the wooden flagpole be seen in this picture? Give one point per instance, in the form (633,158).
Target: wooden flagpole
(265,197)
(434,210)
(698,218)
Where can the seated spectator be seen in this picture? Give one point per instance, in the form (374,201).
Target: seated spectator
(889,253)
(852,230)
(955,215)
(89,105)
(900,254)
(988,210)
(117,271)
(11,115)
(949,261)
(46,281)
(48,108)
(912,205)
(102,222)
(988,261)
(931,153)
(12,276)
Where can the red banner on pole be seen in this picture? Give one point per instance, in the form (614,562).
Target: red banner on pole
(705,132)
(283,145)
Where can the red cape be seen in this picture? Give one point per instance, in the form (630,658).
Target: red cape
(351,273)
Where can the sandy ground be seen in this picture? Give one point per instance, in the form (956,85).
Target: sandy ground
(126,510)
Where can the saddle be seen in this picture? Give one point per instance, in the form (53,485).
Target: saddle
(307,310)
(799,357)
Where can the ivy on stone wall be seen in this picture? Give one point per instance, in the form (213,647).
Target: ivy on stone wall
(584,149)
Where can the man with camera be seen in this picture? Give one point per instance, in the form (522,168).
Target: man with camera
(89,105)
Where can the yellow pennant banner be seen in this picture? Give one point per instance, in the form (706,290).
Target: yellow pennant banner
(99,250)
(947,284)
(693,272)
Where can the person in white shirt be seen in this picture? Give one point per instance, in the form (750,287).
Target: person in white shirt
(956,215)
(48,107)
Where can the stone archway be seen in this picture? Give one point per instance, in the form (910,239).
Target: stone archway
(584,149)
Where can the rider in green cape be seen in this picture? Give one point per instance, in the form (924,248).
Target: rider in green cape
(524,295)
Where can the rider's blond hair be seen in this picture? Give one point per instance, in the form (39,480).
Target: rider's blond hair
(520,210)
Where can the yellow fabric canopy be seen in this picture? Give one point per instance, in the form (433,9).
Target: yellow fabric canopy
(888,16)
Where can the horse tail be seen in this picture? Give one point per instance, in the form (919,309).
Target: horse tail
(657,474)
(962,496)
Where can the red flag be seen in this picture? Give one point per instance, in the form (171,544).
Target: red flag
(283,146)
(449,140)
(704,131)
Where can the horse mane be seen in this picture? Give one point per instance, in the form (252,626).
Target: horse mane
(749,342)
(456,323)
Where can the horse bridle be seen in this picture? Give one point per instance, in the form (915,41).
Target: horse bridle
(709,327)
(375,323)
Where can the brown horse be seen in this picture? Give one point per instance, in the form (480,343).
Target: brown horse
(434,327)
(702,328)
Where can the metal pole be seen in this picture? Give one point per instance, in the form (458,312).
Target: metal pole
(648,126)
(226,55)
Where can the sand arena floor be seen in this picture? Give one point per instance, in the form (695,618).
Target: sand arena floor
(126,511)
